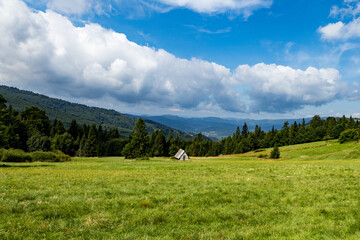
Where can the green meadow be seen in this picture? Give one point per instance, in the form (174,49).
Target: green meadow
(312,192)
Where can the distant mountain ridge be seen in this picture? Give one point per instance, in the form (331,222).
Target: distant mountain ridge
(218,128)
(67,111)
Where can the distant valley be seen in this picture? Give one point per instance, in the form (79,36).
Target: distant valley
(217,128)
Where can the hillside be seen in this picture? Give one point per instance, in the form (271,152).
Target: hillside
(67,111)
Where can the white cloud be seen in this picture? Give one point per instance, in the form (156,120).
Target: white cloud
(44,51)
(275,88)
(356,115)
(340,30)
(141,8)
(343,30)
(244,7)
(351,9)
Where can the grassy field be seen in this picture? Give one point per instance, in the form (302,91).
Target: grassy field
(312,192)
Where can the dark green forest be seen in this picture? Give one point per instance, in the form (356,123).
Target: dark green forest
(32,131)
(67,111)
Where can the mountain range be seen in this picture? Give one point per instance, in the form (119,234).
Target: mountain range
(218,128)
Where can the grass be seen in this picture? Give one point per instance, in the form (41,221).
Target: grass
(312,192)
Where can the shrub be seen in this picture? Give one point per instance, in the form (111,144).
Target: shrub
(15,155)
(275,153)
(348,135)
(58,156)
(40,156)
(62,156)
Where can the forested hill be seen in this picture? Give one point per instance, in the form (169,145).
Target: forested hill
(66,112)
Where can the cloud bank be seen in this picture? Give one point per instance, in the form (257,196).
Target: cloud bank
(244,7)
(78,7)
(45,51)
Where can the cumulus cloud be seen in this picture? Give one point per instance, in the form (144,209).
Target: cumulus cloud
(343,30)
(44,51)
(340,30)
(275,88)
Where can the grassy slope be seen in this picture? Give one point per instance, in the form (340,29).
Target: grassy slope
(311,193)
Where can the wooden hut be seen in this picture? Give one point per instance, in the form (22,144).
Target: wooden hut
(181,155)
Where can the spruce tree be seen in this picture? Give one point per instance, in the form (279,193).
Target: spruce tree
(159,147)
(275,153)
(237,133)
(90,148)
(139,144)
(74,129)
(245,130)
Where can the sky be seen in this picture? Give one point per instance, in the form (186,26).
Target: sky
(259,59)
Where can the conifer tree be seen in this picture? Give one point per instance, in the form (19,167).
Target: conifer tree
(139,144)
(351,123)
(90,148)
(275,153)
(245,130)
(74,129)
(159,147)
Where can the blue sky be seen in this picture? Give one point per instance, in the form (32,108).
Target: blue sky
(228,58)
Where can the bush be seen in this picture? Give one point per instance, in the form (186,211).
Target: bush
(349,135)
(40,156)
(62,156)
(58,156)
(15,155)
(263,156)
(275,153)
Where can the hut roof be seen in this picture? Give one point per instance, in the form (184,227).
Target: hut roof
(179,153)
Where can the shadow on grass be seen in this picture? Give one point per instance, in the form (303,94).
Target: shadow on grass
(23,166)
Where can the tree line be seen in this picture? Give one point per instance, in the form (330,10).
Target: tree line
(243,140)
(31,131)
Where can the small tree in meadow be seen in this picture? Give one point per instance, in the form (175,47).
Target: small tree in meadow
(275,153)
